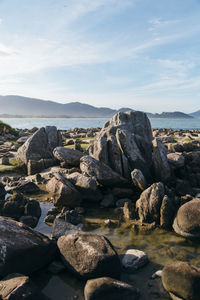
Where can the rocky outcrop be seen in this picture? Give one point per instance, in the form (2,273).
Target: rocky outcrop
(69,156)
(89,255)
(181,280)
(155,206)
(125,144)
(23,250)
(187,221)
(101,172)
(40,145)
(63,191)
(109,288)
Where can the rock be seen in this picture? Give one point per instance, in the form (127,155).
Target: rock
(63,191)
(89,255)
(18,287)
(150,203)
(87,186)
(187,221)
(23,139)
(120,192)
(176,159)
(56,267)
(103,173)
(22,249)
(183,187)
(161,166)
(128,211)
(32,208)
(133,260)
(138,179)
(62,227)
(36,166)
(109,288)
(167,212)
(69,156)
(181,280)
(25,186)
(125,143)
(40,145)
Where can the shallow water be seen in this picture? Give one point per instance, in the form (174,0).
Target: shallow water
(161,246)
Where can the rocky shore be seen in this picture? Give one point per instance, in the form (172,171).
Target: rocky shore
(148,178)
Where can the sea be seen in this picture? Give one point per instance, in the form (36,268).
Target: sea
(70,123)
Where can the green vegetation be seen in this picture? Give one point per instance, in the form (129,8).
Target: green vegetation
(15,166)
(84,145)
(5,128)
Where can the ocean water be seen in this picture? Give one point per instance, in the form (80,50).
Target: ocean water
(70,123)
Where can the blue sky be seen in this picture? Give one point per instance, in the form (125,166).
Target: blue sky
(142,54)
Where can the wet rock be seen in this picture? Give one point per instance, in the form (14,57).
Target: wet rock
(18,287)
(109,288)
(62,227)
(150,203)
(125,144)
(187,221)
(181,280)
(22,249)
(69,156)
(63,191)
(134,259)
(161,166)
(138,179)
(56,267)
(89,255)
(103,173)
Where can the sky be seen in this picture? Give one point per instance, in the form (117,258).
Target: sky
(141,54)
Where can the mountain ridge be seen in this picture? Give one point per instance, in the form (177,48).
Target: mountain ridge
(20,106)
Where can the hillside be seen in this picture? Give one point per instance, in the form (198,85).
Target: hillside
(171,115)
(23,106)
(196,114)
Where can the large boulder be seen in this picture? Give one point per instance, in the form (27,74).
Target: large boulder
(63,191)
(125,144)
(181,280)
(187,221)
(101,172)
(69,156)
(89,255)
(109,288)
(40,145)
(23,250)
(18,287)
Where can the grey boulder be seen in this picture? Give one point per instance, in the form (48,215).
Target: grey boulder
(69,156)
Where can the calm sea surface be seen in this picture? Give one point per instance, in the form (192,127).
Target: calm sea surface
(95,122)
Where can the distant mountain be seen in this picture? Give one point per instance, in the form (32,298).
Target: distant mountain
(12,105)
(170,115)
(196,114)
(23,106)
